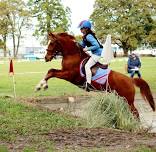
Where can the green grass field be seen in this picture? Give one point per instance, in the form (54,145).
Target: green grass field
(25,126)
(28,74)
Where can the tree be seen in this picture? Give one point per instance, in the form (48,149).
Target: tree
(15,18)
(4,26)
(19,19)
(50,15)
(128,21)
(151,38)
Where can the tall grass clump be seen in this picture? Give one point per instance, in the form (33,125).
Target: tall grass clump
(110,110)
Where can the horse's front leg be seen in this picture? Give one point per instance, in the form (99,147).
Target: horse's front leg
(41,84)
(66,75)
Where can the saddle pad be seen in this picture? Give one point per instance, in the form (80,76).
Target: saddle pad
(100,76)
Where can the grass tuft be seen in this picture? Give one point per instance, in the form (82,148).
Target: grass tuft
(110,110)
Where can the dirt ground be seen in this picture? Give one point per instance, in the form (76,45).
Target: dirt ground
(110,139)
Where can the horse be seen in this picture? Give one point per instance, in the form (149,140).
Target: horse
(72,54)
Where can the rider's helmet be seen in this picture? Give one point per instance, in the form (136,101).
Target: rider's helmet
(85,24)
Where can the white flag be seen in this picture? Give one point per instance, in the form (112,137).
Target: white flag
(107,52)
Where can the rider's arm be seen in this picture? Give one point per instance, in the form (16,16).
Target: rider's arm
(82,43)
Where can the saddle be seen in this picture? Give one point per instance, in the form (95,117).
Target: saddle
(94,68)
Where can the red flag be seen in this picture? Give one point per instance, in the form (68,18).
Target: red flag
(11,68)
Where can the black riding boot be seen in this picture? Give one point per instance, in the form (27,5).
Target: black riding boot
(89,87)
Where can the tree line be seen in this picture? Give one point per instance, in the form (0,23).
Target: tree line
(130,22)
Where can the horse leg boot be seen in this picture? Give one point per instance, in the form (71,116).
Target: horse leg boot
(66,75)
(41,84)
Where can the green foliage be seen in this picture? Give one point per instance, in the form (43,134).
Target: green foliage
(51,16)
(4,26)
(151,37)
(110,110)
(13,20)
(129,22)
(1,44)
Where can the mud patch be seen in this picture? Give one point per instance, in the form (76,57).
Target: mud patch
(109,139)
(69,104)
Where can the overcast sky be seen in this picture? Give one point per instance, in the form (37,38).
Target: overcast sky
(80,10)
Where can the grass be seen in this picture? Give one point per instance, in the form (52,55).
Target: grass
(110,111)
(26,81)
(136,149)
(18,119)
(21,122)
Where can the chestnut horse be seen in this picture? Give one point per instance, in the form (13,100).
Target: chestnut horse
(72,55)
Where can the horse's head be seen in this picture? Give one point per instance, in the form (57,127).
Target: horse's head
(54,47)
(64,44)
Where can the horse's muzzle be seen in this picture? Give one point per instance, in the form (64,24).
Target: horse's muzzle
(47,59)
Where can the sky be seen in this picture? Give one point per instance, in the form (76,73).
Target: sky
(80,10)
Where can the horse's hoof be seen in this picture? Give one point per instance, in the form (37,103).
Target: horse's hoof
(45,87)
(37,89)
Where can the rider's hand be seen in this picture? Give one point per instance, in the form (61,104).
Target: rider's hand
(85,49)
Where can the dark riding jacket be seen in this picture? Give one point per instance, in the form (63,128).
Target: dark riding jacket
(132,63)
(92,44)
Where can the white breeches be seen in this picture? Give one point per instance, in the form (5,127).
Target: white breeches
(92,61)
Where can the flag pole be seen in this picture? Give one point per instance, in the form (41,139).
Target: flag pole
(13,79)
(11,72)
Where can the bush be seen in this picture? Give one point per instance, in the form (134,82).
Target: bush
(110,110)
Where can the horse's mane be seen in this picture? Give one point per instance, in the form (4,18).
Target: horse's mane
(66,35)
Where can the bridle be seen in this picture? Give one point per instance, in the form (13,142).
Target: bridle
(58,48)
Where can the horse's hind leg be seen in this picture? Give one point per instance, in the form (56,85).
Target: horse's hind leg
(134,111)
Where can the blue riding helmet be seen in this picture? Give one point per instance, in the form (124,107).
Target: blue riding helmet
(85,24)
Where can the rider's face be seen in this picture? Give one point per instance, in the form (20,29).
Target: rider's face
(83,30)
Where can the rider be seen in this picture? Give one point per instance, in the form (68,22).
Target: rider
(90,43)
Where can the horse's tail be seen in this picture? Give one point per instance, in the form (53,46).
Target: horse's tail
(145,91)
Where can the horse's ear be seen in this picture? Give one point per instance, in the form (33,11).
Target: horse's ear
(51,36)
